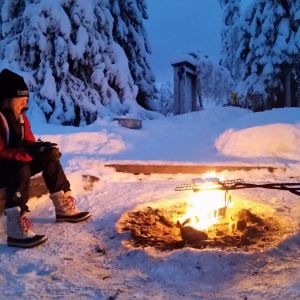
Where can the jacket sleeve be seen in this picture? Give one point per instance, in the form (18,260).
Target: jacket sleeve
(19,154)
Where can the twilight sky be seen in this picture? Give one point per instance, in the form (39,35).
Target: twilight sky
(177,26)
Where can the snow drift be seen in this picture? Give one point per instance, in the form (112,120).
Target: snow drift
(274,140)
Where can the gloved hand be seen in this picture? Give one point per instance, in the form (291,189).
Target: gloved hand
(49,153)
(44,151)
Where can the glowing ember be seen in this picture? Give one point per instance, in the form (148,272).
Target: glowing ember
(206,205)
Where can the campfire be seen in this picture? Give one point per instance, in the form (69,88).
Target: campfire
(208,217)
(206,206)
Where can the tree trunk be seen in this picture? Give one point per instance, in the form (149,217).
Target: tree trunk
(287,89)
(298,100)
(297,93)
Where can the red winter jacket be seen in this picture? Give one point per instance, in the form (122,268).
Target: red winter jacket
(14,153)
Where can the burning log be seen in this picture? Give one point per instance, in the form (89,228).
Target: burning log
(190,234)
(242,220)
(248,217)
(237,225)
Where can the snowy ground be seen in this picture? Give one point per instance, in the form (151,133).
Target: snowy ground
(88,261)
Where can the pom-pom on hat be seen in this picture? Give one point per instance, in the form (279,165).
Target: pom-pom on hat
(12,85)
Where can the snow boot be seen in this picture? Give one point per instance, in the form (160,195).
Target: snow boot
(19,233)
(65,208)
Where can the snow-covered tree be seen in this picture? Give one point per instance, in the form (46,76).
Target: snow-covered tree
(79,72)
(214,82)
(130,33)
(269,53)
(295,50)
(230,35)
(166,98)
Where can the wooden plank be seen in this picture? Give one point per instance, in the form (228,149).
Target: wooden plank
(37,189)
(185,169)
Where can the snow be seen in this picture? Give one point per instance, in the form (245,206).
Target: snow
(88,260)
(267,40)
(68,41)
(184,58)
(285,144)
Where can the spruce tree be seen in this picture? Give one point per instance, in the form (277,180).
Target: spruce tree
(130,33)
(230,35)
(79,72)
(268,54)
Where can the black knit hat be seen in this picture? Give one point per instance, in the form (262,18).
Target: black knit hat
(12,85)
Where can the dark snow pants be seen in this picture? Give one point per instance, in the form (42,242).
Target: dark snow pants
(15,177)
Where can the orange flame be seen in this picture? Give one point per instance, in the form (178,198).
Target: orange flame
(204,205)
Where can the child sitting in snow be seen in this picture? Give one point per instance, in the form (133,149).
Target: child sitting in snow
(21,156)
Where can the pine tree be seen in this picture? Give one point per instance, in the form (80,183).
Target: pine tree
(130,33)
(79,72)
(268,54)
(230,35)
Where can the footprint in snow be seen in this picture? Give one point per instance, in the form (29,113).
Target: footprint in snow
(38,269)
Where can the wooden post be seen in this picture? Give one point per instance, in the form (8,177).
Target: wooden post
(185,87)
(176,91)
(297,101)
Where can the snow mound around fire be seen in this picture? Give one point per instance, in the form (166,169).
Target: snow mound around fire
(274,140)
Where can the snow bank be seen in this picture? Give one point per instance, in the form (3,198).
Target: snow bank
(274,140)
(88,143)
(198,137)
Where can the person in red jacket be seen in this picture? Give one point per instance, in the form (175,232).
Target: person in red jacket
(21,157)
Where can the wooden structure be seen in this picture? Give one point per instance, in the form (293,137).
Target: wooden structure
(185,87)
(184,169)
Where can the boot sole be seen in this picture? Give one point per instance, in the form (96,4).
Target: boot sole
(75,218)
(27,243)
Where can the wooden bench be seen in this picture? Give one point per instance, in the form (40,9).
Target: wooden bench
(186,169)
(37,189)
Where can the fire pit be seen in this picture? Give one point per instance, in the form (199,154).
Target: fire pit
(205,219)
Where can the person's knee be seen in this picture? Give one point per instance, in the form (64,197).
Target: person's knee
(24,171)
(52,166)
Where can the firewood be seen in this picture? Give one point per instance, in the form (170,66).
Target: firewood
(237,225)
(190,234)
(248,216)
